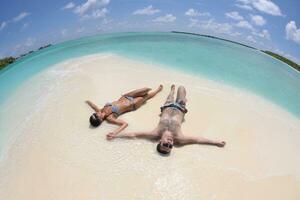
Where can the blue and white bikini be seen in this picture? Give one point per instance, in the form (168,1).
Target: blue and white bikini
(116,110)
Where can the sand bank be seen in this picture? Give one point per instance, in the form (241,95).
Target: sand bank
(55,155)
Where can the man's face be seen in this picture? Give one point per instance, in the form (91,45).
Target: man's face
(166,144)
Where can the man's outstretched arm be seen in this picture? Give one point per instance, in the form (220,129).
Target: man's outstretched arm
(185,140)
(113,120)
(133,135)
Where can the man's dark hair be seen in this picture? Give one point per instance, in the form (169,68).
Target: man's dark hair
(95,120)
(161,150)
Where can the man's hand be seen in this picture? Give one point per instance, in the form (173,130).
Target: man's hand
(110,136)
(220,143)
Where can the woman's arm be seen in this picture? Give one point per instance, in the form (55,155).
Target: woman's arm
(93,106)
(113,120)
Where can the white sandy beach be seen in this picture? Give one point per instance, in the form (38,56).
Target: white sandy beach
(54,154)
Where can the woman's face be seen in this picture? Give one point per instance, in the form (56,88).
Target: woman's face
(101,115)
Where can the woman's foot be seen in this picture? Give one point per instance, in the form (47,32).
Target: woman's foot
(160,87)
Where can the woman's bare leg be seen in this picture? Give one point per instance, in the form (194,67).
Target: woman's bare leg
(153,93)
(139,101)
(138,93)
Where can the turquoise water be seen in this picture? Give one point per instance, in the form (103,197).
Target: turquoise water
(218,60)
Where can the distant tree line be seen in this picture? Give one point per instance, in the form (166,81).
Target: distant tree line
(8,60)
(283,59)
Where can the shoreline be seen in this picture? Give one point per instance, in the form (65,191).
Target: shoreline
(59,151)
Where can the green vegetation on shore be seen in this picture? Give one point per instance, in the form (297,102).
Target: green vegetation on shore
(283,59)
(214,37)
(8,60)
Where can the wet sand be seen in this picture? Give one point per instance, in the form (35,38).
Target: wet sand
(54,154)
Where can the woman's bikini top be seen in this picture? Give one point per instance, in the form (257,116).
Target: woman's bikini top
(115,109)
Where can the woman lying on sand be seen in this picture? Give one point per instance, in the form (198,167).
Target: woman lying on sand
(168,132)
(128,102)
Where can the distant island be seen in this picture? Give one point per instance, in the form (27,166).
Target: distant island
(8,60)
(214,37)
(275,55)
(283,59)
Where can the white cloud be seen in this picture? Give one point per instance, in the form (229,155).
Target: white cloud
(244,1)
(292,32)
(3,25)
(258,20)
(193,23)
(30,42)
(191,12)
(64,32)
(146,11)
(234,15)
(250,39)
(107,21)
(96,14)
(212,25)
(25,25)
(244,24)
(166,18)
(265,6)
(21,16)
(194,13)
(244,6)
(235,34)
(69,5)
(90,6)
(264,34)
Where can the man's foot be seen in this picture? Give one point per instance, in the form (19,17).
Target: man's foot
(220,143)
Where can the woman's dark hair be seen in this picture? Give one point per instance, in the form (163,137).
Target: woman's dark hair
(95,120)
(160,150)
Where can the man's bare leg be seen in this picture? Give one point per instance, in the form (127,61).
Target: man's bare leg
(138,93)
(170,98)
(181,96)
(185,140)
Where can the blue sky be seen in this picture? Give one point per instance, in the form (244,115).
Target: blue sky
(266,24)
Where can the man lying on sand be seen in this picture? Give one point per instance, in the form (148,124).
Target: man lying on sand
(128,102)
(168,131)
